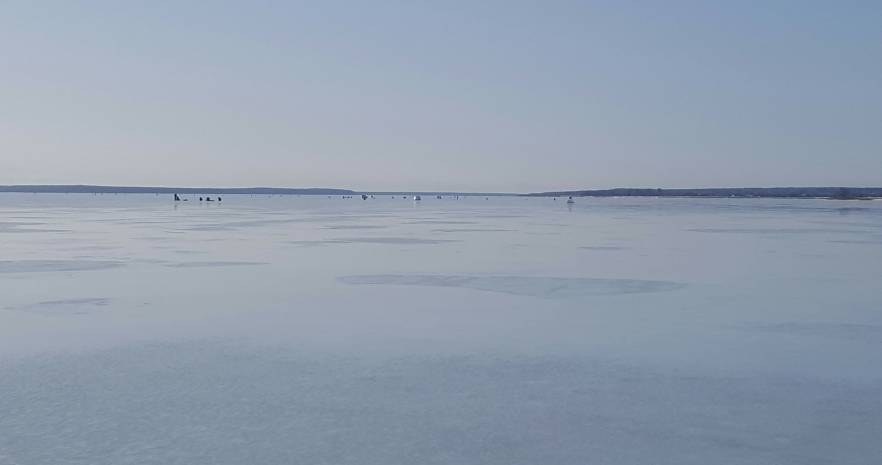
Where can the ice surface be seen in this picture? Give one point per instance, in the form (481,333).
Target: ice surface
(548,287)
(392,240)
(355,226)
(770,230)
(863,241)
(375,240)
(36,266)
(502,331)
(440,222)
(845,331)
(24,227)
(455,230)
(222,403)
(80,306)
(212,264)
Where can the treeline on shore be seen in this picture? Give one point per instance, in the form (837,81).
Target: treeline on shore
(749,192)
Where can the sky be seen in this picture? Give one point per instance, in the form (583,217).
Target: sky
(503,96)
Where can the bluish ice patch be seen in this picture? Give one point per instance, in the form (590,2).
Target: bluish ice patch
(391,240)
(212,264)
(155,238)
(79,306)
(775,231)
(857,332)
(371,240)
(355,226)
(46,266)
(309,243)
(467,230)
(857,241)
(440,222)
(93,247)
(25,227)
(547,287)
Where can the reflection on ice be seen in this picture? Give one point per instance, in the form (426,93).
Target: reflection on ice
(522,285)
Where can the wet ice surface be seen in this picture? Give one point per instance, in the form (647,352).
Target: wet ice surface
(502,331)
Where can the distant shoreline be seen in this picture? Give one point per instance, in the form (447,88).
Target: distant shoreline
(840,193)
(94,189)
(90,189)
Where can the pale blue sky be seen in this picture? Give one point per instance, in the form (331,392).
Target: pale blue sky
(478,95)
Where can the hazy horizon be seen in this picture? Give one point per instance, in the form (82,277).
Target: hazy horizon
(398,191)
(494,97)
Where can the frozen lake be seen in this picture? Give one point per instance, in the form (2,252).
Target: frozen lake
(282,330)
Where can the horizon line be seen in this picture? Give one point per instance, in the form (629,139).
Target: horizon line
(633,191)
